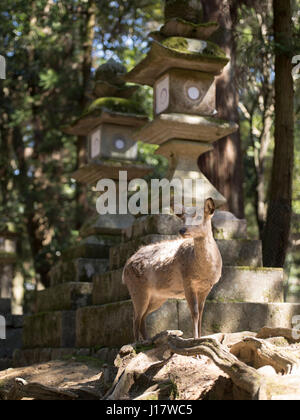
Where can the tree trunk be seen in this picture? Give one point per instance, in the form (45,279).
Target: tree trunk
(87,39)
(277,231)
(224,165)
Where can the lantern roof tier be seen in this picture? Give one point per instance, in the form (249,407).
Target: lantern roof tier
(180,53)
(184,127)
(182,28)
(117,111)
(91,173)
(105,89)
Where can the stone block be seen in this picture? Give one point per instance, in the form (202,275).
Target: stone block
(108,224)
(108,288)
(161,224)
(105,325)
(237,317)
(50,329)
(78,270)
(241,252)
(185,91)
(87,250)
(246,284)
(111,324)
(5,306)
(14,321)
(13,341)
(227,226)
(64,297)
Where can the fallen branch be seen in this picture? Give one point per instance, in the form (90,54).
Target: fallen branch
(23,389)
(293,336)
(243,376)
(260,353)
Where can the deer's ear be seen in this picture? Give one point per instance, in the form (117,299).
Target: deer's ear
(209,207)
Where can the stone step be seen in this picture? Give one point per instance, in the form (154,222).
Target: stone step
(5,306)
(237,284)
(225,226)
(64,297)
(111,324)
(78,270)
(50,329)
(247,284)
(240,252)
(109,288)
(86,250)
(240,316)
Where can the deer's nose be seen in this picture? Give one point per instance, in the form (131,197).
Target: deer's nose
(183,231)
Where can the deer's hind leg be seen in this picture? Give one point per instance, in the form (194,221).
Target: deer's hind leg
(140,303)
(154,305)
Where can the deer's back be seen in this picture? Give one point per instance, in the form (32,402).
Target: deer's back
(159,268)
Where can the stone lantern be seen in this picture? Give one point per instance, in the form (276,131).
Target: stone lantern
(109,124)
(181,66)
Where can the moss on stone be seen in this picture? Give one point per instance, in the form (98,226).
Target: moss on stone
(192,47)
(7,255)
(263,269)
(194,25)
(112,104)
(139,348)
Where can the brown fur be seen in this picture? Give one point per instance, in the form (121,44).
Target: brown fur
(184,268)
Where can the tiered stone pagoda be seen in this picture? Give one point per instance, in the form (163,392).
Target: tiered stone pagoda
(108,124)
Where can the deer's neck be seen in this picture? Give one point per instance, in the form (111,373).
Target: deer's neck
(206,246)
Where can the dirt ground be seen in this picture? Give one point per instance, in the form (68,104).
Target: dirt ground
(64,375)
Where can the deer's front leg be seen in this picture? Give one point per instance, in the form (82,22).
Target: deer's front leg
(192,300)
(201,304)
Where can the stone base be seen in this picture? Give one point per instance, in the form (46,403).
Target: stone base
(234,252)
(111,325)
(78,270)
(50,329)
(64,297)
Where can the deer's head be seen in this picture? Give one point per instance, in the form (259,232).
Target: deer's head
(198,225)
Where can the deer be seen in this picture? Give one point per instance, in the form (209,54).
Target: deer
(184,268)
